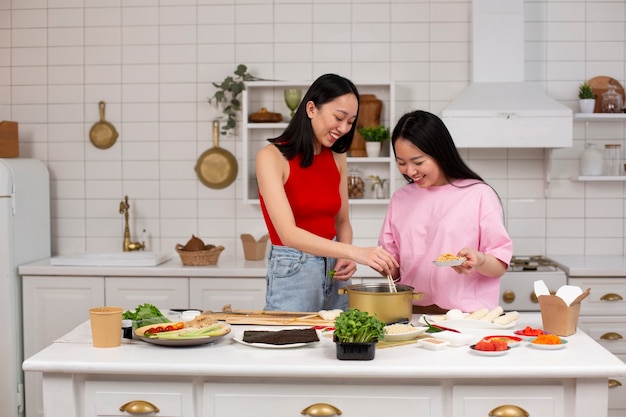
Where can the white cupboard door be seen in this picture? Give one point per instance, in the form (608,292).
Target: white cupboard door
(511,400)
(162,292)
(353,398)
(52,307)
(215,293)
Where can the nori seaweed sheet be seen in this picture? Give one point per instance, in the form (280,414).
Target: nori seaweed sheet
(281,337)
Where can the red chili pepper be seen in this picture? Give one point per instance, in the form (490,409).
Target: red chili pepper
(434,328)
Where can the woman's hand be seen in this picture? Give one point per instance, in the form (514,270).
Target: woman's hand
(377,258)
(344,269)
(473,260)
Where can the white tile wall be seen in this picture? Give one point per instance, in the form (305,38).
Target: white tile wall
(153,63)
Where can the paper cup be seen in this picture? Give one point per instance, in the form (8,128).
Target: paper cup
(106,326)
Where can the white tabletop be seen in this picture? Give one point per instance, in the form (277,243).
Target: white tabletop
(582,357)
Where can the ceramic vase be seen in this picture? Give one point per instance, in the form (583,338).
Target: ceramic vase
(373,149)
(591,160)
(587,105)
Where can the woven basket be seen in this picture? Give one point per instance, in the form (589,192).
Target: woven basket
(200,257)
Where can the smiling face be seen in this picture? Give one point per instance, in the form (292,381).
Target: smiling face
(417,165)
(332,120)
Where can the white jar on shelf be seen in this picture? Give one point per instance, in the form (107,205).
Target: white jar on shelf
(591,160)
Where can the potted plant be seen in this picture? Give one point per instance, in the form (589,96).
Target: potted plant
(228,93)
(356,334)
(587,98)
(374,136)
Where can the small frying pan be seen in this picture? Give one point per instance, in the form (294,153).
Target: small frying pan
(216,167)
(103,134)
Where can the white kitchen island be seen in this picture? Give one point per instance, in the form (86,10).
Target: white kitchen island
(228,379)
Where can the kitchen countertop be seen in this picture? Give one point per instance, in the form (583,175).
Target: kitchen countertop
(226,267)
(227,358)
(592,266)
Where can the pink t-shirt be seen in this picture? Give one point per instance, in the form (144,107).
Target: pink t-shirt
(423,223)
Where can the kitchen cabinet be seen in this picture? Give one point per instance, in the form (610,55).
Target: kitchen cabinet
(603,317)
(349,398)
(480,399)
(215,293)
(163,292)
(227,379)
(269,95)
(51,308)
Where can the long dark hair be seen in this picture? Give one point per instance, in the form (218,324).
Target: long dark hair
(430,134)
(298,137)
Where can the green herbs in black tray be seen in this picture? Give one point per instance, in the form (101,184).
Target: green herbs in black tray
(355,326)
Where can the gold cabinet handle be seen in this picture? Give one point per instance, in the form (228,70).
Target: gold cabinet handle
(614,383)
(508,410)
(611,297)
(508,296)
(611,336)
(139,407)
(321,409)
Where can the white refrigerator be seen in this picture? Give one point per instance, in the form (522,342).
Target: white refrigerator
(24,238)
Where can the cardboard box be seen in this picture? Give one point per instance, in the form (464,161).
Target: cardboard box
(9,145)
(254,250)
(559,318)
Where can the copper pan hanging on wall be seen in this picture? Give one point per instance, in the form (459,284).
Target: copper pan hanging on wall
(103,134)
(216,167)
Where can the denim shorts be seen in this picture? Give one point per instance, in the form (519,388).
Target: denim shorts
(297,281)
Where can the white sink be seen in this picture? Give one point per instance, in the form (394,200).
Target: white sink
(111,259)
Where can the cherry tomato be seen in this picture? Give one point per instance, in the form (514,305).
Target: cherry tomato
(149,331)
(169,328)
(158,329)
(179,325)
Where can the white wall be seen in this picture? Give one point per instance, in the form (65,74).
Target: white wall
(153,63)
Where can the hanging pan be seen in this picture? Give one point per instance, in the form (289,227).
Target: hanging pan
(103,134)
(216,167)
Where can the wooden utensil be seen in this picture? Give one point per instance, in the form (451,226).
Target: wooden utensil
(103,134)
(216,168)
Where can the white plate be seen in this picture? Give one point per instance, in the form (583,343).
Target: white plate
(455,262)
(489,352)
(177,342)
(465,323)
(410,333)
(512,341)
(547,347)
(238,337)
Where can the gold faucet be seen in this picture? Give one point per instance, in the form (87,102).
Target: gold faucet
(128,245)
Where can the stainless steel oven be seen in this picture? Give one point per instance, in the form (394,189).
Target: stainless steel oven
(517,284)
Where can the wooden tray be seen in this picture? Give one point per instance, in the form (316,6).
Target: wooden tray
(271,318)
(600,85)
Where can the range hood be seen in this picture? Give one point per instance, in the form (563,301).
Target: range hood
(499,109)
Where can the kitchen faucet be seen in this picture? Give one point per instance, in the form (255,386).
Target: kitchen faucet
(128,245)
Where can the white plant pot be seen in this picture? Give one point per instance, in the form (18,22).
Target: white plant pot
(373,149)
(587,105)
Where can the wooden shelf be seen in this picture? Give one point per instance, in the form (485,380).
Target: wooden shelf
(599,178)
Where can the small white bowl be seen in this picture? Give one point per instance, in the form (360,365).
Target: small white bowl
(432,343)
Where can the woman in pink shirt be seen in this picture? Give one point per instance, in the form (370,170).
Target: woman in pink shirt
(445,208)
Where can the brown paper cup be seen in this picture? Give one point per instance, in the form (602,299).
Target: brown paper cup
(106,326)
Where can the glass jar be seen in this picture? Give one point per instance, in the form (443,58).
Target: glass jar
(612,160)
(356,186)
(611,100)
(591,160)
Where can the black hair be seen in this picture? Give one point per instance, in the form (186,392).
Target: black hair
(298,137)
(430,134)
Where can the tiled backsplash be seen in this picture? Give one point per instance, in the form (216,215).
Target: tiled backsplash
(154,64)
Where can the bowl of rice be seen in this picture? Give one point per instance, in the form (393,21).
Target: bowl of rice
(399,331)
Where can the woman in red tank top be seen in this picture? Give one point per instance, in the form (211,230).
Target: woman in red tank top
(302,176)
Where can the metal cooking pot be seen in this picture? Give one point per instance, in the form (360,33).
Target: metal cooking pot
(376,299)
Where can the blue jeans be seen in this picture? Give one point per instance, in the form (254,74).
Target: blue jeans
(297,281)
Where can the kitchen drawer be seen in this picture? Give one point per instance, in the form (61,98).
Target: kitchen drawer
(351,398)
(478,400)
(607,297)
(610,332)
(104,398)
(617,395)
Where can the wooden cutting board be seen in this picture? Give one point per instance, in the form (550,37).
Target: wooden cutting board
(271,318)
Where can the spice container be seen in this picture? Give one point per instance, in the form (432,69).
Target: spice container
(611,100)
(127,329)
(356,186)
(613,160)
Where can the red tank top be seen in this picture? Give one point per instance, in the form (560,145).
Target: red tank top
(313,194)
